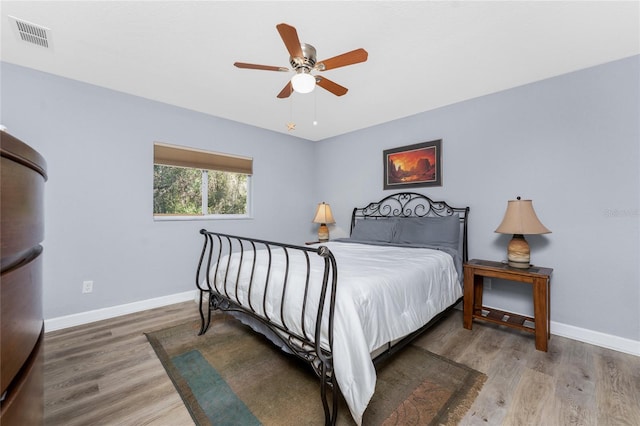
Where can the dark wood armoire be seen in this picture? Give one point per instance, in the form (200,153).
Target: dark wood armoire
(23,175)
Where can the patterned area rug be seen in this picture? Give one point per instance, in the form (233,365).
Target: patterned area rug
(233,376)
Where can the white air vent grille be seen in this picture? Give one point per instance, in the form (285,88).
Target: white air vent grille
(31,33)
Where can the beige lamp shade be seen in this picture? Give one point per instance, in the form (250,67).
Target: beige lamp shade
(323,216)
(520,219)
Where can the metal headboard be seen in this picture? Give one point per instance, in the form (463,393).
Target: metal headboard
(412,204)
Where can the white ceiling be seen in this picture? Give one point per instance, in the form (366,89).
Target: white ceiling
(422,55)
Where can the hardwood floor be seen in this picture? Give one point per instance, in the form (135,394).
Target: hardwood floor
(106,373)
(574,383)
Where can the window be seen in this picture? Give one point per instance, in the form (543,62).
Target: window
(191,183)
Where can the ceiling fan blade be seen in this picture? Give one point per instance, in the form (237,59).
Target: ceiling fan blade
(286,92)
(260,67)
(349,58)
(332,87)
(290,38)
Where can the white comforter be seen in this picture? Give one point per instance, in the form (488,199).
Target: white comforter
(384,293)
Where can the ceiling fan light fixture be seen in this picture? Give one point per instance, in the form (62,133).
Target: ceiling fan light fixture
(303,82)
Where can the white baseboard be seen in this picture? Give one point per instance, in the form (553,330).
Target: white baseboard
(597,338)
(620,344)
(81,318)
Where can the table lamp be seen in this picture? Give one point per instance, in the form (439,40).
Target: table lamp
(323,216)
(520,219)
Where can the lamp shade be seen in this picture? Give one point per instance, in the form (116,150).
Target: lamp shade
(323,214)
(303,82)
(520,218)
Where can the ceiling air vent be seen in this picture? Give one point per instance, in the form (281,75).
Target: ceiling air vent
(31,33)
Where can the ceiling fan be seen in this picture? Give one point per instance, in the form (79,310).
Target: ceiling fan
(303,61)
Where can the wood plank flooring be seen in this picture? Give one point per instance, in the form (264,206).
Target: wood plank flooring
(106,373)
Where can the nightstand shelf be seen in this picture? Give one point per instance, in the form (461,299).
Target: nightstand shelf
(540,278)
(497,316)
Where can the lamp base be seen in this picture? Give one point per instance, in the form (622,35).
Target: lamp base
(323,233)
(519,265)
(518,252)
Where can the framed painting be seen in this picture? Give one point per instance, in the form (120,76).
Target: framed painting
(413,166)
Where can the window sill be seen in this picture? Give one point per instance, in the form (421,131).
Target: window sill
(178,218)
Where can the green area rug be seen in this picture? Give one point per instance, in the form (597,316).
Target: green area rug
(233,376)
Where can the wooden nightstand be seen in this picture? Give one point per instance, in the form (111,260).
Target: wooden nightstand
(539,277)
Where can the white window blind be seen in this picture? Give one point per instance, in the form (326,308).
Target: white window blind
(171,155)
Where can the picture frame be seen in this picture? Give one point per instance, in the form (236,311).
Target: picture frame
(413,166)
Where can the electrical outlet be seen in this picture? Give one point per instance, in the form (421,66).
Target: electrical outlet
(87,286)
(487,283)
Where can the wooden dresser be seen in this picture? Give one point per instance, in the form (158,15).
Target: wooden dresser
(23,175)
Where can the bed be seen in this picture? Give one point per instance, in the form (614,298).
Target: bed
(345,305)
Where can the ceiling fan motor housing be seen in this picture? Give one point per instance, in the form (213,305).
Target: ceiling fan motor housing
(307,61)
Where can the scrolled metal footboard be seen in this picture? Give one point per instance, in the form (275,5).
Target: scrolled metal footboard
(229,275)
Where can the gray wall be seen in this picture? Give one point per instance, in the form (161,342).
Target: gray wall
(98,145)
(571,144)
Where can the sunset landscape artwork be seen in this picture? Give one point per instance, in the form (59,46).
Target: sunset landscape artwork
(413,165)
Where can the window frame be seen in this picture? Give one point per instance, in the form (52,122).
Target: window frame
(181,156)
